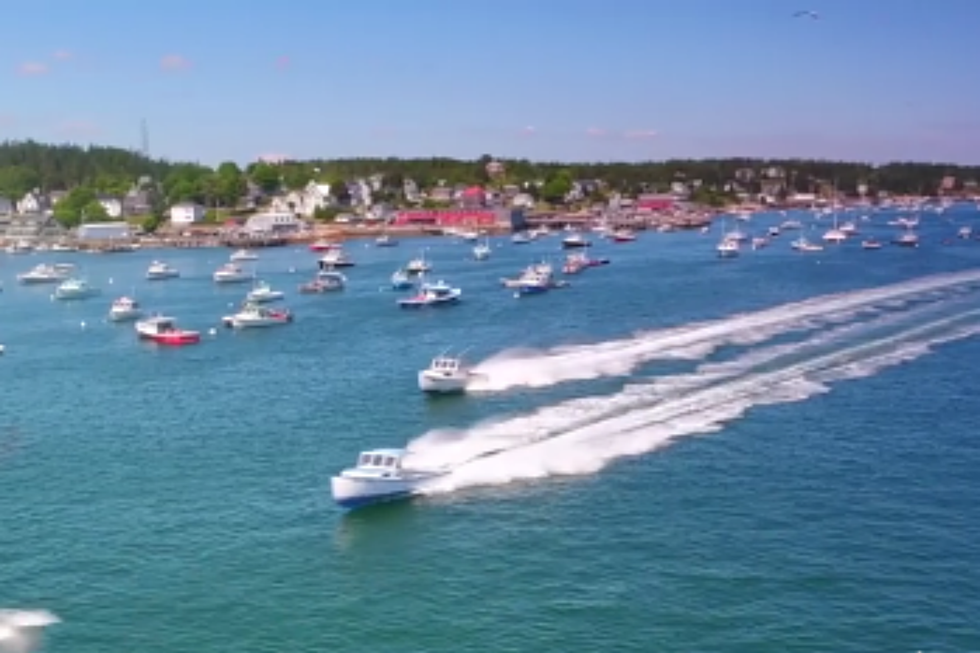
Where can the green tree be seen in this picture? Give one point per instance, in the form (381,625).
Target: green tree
(69,210)
(266,176)
(18,180)
(94,212)
(557,187)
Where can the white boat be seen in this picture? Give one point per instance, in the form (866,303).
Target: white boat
(46,274)
(160,270)
(254,316)
(432,294)
(804,245)
(870,243)
(75,289)
(521,238)
(231,273)
(401,280)
(907,239)
(243,255)
(446,374)
(530,272)
(965,233)
(773,232)
(727,248)
(63,247)
(482,251)
(575,240)
(335,258)
(380,476)
(22,631)
(263,293)
(470,236)
(418,265)
(125,309)
(324,281)
(1,350)
(384,240)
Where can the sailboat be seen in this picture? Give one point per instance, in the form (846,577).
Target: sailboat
(481,252)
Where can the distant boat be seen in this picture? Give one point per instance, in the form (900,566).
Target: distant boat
(325,281)
(481,252)
(575,240)
(263,293)
(159,270)
(75,289)
(870,243)
(163,330)
(401,280)
(432,294)
(125,309)
(243,255)
(384,240)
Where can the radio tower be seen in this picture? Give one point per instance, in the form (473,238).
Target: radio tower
(145,139)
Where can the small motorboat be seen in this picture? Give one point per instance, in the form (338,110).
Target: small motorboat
(432,294)
(380,475)
(907,239)
(521,238)
(335,258)
(231,273)
(760,242)
(446,375)
(418,266)
(574,241)
(46,274)
(773,232)
(75,289)
(324,281)
(159,270)
(163,330)
(384,240)
(728,248)
(870,243)
(482,251)
(263,293)
(575,263)
(323,246)
(623,236)
(243,255)
(125,309)
(528,272)
(63,247)
(401,280)
(255,316)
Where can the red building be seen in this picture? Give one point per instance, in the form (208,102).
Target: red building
(447,218)
(655,202)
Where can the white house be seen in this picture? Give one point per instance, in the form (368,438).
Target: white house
(33,202)
(104,231)
(112,205)
(186,213)
(273,222)
(6,206)
(315,196)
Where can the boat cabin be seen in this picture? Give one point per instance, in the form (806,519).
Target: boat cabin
(160,325)
(380,460)
(446,365)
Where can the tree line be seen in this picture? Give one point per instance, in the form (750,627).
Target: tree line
(87,172)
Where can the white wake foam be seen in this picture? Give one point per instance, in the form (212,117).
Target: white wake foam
(583,435)
(529,368)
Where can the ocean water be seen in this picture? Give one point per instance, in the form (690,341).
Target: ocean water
(772,453)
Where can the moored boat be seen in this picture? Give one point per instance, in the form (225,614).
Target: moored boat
(163,330)
(335,258)
(243,255)
(324,281)
(263,293)
(432,294)
(623,236)
(323,246)
(231,273)
(160,270)
(871,243)
(75,289)
(255,316)
(401,280)
(125,309)
(575,240)
(46,274)
(379,476)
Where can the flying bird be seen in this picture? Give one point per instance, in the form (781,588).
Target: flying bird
(806,13)
(20,630)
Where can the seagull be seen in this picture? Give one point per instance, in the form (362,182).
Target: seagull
(806,13)
(20,630)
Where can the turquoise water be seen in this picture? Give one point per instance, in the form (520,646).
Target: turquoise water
(703,466)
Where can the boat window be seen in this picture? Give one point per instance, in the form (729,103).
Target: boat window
(365,460)
(389,461)
(378,461)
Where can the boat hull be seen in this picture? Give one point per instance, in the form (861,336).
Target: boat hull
(265,298)
(68,296)
(351,493)
(125,316)
(425,303)
(160,276)
(436,383)
(173,339)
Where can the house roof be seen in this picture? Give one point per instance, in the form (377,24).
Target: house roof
(473,191)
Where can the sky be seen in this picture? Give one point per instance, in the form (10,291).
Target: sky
(550,80)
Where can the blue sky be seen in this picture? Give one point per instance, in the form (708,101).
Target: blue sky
(871,80)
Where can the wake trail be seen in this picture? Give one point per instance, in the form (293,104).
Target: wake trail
(585,435)
(529,368)
(443,448)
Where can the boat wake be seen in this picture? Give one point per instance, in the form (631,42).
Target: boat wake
(581,436)
(530,368)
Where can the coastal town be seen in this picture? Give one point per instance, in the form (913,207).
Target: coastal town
(277,202)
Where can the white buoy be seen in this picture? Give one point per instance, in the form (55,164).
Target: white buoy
(111,281)
(212,331)
(292,270)
(83,324)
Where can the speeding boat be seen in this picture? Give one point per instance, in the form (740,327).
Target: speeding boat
(163,330)
(159,270)
(263,293)
(379,476)
(231,273)
(75,289)
(255,316)
(324,281)
(243,255)
(125,309)
(46,274)
(432,294)
(22,631)
(446,374)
